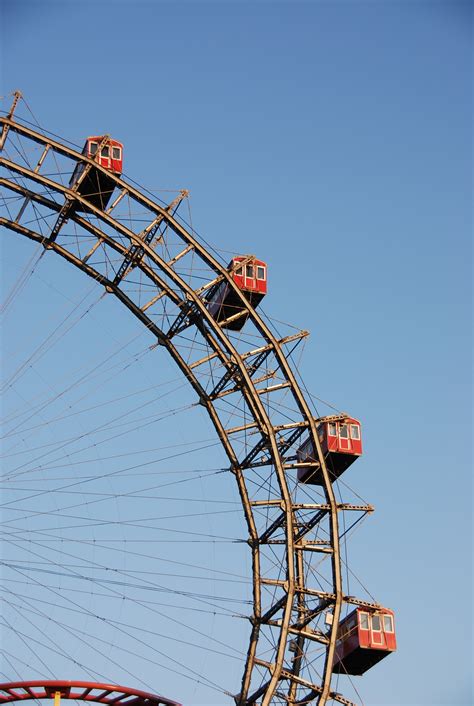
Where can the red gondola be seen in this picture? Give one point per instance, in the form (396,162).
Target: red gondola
(341,444)
(251,278)
(96,186)
(365,637)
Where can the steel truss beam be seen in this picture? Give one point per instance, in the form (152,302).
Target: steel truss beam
(139,253)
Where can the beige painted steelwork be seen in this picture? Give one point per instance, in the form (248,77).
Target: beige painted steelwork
(287,619)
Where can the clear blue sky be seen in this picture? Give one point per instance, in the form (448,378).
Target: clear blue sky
(333,140)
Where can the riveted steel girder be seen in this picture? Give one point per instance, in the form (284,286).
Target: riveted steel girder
(136,251)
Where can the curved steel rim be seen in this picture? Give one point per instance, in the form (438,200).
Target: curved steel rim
(294,585)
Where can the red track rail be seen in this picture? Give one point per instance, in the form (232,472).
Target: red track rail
(82,691)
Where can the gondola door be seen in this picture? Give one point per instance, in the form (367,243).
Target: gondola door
(104,159)
(344,438)
(250,282)
(377,637)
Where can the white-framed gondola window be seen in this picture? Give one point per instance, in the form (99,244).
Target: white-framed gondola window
(376,632)
(332,429)
(116,153)
(364,621)
(343,431)
(355,432)
(261,272)
(93,148)
(104,152)
(249,271)
(388,623)
(376,623)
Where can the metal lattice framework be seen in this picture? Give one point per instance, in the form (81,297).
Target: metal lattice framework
(290,527)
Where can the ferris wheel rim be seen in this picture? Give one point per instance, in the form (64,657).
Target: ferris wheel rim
(322,693)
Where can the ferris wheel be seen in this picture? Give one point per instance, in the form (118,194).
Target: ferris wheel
(286,462)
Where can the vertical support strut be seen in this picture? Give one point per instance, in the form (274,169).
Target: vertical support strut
(16,97)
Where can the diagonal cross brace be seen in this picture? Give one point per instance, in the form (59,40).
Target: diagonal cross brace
(259,446)
(182,321)
(227,377)
(136,251)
